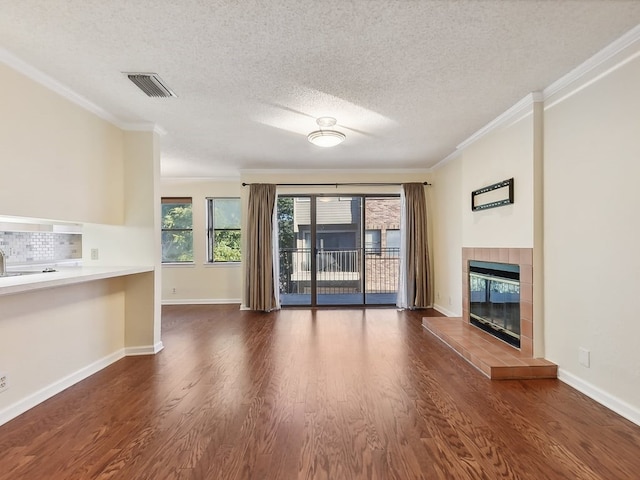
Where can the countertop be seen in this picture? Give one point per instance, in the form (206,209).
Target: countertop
(63,276)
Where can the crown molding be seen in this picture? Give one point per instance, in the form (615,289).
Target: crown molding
(174,179)
(452,156)
(625,41)
(64,91)
(504,118)
(300,171)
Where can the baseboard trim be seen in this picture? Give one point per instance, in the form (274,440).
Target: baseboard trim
(21,406)
(201,301)
(612,403)
(444,311)
(144,350)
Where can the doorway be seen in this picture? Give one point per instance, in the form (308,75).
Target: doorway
(338,250)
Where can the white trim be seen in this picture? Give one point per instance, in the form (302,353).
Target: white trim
(444,311)
(622,408)
(398,171)
(517,109)
(64,91)
(582,86)
(452,156)
(21,406)
(143,350)
(627,40)
(174,179)
(202,301)
(610,51)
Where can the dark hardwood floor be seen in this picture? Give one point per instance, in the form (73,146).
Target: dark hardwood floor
(324,394)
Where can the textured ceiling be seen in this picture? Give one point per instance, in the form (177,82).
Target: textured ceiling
(406,80)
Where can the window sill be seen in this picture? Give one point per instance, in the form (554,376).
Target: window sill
(179,264)
(223,264)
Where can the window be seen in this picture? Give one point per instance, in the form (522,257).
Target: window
(393,243)
(223,229)
(177,230)
(372,242)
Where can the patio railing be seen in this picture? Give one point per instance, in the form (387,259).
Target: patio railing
(340,271)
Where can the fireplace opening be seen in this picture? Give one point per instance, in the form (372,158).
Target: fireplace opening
(494,299)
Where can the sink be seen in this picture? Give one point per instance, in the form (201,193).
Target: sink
(17,274)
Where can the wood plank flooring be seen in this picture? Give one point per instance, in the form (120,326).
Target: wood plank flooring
(313,394)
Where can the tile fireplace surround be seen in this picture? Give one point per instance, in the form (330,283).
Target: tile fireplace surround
(517,256)
(490,355)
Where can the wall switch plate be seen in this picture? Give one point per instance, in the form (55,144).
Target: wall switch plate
(95,254)
(584,357)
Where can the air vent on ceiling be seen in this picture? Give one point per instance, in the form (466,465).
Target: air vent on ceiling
(151,84)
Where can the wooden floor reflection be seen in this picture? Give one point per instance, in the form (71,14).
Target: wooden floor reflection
(312,394)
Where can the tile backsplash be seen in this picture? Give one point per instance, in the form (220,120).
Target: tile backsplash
(40,247)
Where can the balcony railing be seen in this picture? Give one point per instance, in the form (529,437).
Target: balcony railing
(340,271)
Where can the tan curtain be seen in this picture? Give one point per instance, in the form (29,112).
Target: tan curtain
(259,280)
(414,284)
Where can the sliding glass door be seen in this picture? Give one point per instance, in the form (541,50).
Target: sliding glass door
(338,250)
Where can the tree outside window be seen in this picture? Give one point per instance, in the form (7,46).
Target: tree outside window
(223,230)
(177,230)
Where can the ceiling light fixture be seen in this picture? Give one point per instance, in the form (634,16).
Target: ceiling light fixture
(326,138)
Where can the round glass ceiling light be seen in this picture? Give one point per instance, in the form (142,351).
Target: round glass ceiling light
(326,138)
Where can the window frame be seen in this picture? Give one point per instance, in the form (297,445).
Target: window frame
(211,230)
(373,247)
(176,201)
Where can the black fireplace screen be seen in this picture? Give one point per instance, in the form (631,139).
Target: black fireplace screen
(494,291)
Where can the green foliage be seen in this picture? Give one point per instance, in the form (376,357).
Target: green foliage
(286,238)
(286,235)
(177,236)
(226,246)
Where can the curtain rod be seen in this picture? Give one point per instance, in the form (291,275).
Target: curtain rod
(339,184)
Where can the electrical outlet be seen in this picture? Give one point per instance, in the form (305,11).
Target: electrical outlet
(438,295)
(95,254)
(173,290)
(449,301)
(584,357)
(4,382)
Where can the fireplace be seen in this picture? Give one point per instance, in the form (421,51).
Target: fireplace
(494,299)
(520,257)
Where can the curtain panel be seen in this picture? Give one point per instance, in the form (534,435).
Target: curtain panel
(261,231)
(414,282)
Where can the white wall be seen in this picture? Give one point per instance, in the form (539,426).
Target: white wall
(201,282)
(592,232)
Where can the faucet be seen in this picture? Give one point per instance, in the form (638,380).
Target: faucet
(3,263)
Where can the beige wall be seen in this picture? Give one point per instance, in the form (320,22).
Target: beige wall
(592,232)
(57,158)
(48,335)
(448,203)
(503,153)
(576,163)
(201,282)
(60,162)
